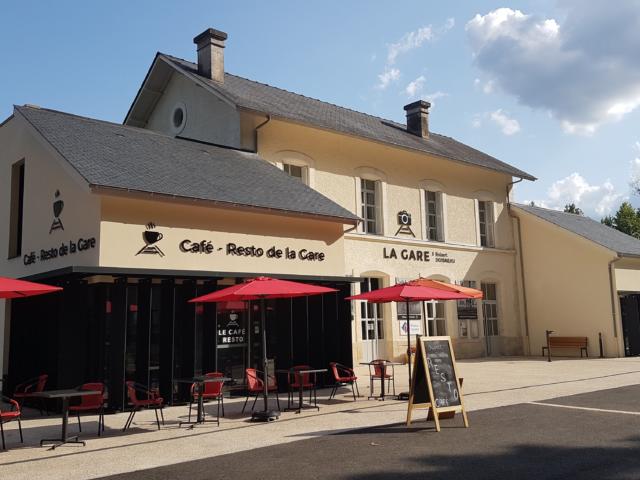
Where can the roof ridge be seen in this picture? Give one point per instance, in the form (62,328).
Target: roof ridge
(556,211)
(310,98)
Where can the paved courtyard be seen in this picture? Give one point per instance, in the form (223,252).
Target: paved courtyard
(327,440)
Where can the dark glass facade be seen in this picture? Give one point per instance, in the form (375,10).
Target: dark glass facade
(143,329)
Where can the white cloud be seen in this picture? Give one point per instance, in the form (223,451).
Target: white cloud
(635,165)
(415,87)
(583,70)
(415,39)
(476,121)
(409,41)
(595,200)
(387,77)
(508,125)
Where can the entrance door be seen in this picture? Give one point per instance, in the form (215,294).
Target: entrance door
(630,309)
(371,324)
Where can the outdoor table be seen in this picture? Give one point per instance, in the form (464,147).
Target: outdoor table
(64,395)
(313,371)
(383,365)
(200,380)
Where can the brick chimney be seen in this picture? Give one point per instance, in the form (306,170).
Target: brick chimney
(211,54)
(418,118)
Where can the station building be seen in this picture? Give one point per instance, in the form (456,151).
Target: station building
(213,178)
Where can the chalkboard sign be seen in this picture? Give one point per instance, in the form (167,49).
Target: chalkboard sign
(442,372)
(434,383)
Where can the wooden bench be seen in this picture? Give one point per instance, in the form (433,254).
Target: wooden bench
(568,342)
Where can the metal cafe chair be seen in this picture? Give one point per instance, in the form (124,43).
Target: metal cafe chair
(6,416)
(152,400)
(26,390)
(343,376)
(378,369)
(255,386)
(212,391)
(91,403)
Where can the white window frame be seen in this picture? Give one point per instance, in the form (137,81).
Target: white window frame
(468,327)
(495,320)
(441,209)
(379,177)
(297,159)
(483,196)
(433,319)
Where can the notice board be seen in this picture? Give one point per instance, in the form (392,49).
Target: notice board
(435,384)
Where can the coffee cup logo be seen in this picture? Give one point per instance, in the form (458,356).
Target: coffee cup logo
(58,206)
(151,237)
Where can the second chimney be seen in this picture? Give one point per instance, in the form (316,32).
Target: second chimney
(211,54)
(418,118)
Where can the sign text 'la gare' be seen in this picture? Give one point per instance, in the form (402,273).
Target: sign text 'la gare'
(416,255)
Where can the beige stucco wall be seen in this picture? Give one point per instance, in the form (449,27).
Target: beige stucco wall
(337,161)
(567,286)
(124,222)
(44,174)
(208,118)
(627,273)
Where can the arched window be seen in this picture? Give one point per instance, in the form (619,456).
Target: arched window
(296,164)
(433,206)
(485,219)
(371,188)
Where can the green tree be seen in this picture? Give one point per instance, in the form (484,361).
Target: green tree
(626,219)
(571,208)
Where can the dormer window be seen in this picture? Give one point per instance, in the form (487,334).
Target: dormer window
(295,171)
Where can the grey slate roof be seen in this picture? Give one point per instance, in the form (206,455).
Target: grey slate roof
(284,104)
(608,237)
(128,158)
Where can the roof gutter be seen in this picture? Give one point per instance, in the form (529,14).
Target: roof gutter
(614,291)
(255,132)
(522,275)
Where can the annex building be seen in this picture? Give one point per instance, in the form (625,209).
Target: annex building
(213,178)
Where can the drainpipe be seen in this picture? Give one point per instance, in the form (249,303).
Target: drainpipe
(520,254)
(256,131)
(613,291)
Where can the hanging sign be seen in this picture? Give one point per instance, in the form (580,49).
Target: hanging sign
(435,384)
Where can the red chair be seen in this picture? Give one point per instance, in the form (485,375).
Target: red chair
(7,416)
(91,403)
(295,381)
(212,391)
(255,386)
(152,400)
(27,389)
(380,369)
(342,377)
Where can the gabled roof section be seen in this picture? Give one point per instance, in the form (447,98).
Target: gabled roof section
(131,159)
(297,108)
(592,230)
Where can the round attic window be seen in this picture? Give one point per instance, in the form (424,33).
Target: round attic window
(178,118)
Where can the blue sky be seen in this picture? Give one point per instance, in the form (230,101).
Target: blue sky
(551,86)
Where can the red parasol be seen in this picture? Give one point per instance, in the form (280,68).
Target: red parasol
(11,288)
(418,290)
(262,288)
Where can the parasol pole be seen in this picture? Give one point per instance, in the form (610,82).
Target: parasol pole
(264,354)
(409,344)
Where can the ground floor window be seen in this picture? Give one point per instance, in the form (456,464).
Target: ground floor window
(467,310)
(436,319)
(490,308)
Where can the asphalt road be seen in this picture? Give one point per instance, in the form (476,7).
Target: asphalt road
(526,441)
